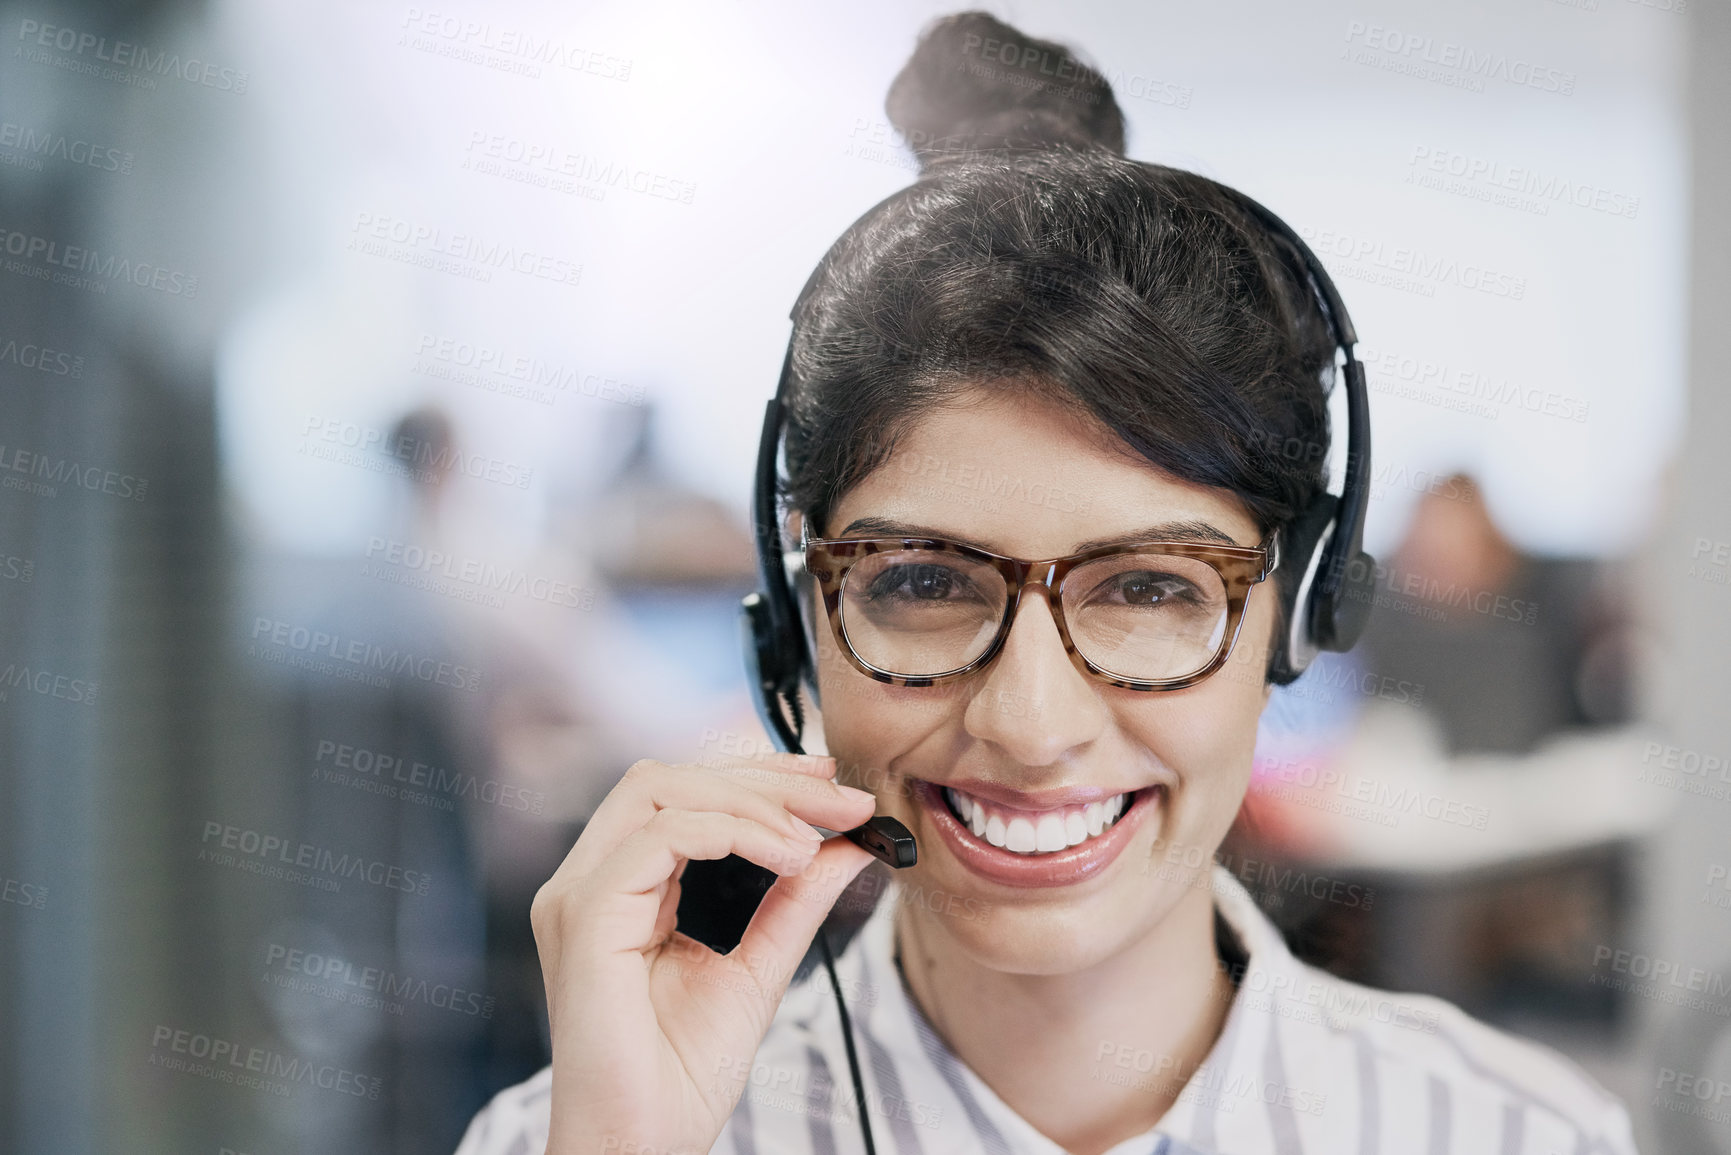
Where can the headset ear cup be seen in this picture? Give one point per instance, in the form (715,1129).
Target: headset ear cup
(1306,540)
(766,655)
(1339,622)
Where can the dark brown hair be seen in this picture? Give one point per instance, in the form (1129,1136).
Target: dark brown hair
(1032,255)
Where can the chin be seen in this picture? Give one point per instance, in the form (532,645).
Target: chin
(1049,939)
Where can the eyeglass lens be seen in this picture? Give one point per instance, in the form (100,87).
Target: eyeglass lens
(1143,616)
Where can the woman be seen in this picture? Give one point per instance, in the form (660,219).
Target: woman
(1039,350)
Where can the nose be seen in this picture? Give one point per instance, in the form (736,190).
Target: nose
(1034,704)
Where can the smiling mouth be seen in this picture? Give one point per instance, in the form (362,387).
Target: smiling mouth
(1033,833)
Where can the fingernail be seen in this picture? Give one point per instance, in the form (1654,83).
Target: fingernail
(805,828)
(854,795)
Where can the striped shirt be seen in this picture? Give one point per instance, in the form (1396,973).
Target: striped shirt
(1305,1062)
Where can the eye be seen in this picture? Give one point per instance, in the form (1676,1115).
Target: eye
(1146,588)
(924,582)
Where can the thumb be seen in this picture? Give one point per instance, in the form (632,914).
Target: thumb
(784,925)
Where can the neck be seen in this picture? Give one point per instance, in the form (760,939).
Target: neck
(1089,1058)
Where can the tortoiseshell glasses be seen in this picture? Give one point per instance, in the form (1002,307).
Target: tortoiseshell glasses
(1155,615)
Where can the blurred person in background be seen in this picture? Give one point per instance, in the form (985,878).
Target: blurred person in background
(1499,683)
(1510,647)
(575,687)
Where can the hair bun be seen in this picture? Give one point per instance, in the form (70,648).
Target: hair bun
(976,84)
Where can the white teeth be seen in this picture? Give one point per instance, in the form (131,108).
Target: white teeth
(1095,815)
(1049,834)
(1045,833)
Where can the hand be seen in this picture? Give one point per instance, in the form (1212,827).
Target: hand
(653,1032)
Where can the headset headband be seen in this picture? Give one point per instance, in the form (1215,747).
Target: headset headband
(772,614)
(1337,608)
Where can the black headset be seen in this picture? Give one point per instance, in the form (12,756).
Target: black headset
(1326,609)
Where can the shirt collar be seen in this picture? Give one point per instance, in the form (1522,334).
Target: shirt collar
(1201,1115)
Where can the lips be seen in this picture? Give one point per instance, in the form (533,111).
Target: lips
(1057,839)
(1034,831)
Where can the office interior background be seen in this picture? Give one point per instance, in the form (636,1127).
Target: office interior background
(361,366)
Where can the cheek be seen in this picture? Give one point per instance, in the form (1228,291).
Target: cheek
(1208,740)
(1207,735)
(868,724)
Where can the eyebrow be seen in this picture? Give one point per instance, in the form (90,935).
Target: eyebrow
(1199,531)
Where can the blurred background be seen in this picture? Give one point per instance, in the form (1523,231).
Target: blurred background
(379,386)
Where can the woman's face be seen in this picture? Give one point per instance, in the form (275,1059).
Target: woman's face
(1031,735)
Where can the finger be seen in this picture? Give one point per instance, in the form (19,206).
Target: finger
(815,765)
(649,857)
(622,810)
(782,929)
(812,765)
(778,799)
(821,800)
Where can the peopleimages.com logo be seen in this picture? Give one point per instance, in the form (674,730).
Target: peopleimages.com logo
(290,644)
(27,146)
(330,977)
(261,1068)
(418,458)
(41,358)
(1446,62)
(269,854)
(121,60)
(84,267)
